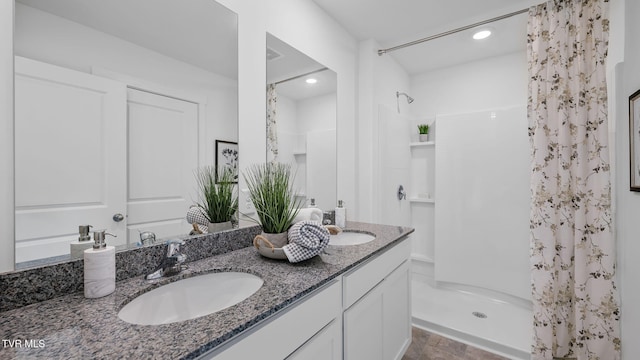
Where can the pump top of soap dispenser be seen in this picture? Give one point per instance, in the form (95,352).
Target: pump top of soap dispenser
(340,203)
(83,230)
(99,239)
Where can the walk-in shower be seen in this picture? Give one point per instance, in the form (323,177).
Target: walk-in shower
(469,291)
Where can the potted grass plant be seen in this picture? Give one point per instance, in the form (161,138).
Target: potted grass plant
(271,191)
(218,202)
(423,131)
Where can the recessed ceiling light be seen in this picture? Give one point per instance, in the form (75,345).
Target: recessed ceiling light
(311,81)
(482,34)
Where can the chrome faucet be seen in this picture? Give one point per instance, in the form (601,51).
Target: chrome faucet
(171,264)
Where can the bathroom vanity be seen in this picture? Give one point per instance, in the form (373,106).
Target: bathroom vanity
(365,311)
(351,302)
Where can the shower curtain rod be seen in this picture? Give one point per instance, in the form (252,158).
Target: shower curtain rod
(301,75)
(467,27)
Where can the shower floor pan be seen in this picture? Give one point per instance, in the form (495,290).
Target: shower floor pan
(496,326)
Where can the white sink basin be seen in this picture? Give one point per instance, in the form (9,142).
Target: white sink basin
(350,238)
(190,298)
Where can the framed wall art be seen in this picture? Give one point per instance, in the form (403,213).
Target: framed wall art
(227,157)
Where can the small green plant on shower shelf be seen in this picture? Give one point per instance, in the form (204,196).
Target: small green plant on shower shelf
(423,130)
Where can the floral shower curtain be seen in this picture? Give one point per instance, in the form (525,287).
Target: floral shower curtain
(272,129)
(575,301)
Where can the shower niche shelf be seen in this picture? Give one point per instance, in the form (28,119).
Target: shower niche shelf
(422,200)
(422,204)
(422,197)
(422,144)
(422,172)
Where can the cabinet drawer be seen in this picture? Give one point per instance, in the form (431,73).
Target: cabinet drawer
(325,345)
(283,334)
(363,278)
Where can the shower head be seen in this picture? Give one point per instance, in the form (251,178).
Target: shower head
(409,98)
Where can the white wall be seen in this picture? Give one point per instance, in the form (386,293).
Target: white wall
(490,83)
(303,25)
(379,79)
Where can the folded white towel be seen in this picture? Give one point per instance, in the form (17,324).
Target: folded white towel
(306,240)
(314,214)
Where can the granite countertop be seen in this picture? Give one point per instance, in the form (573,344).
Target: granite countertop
(72,327)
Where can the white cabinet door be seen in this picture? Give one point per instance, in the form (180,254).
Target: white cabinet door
(397,312)
(325,345)
(70,157)
(378,326)
(163,155)
(363,328)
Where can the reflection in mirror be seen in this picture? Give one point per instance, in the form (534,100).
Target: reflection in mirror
(301,120)
(117,103)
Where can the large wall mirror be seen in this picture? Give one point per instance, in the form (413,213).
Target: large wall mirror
(117,103)
(301,120)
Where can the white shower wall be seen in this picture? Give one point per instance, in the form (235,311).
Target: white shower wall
(482,188)
(307,138)
(394,157)
(494,83)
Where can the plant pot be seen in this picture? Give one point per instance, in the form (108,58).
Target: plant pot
(277,240)
(270,245)
(217,227)
(423,137)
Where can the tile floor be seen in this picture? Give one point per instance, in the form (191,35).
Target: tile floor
(429,346)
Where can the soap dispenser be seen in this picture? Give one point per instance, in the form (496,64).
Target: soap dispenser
(99,267)
(341,215)
(84,242)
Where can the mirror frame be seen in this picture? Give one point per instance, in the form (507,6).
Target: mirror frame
(7,198)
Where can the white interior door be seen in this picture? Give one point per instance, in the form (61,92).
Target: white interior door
(79,178)
(163,155)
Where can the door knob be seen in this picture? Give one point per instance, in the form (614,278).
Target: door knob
(401,193)
(118,217)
